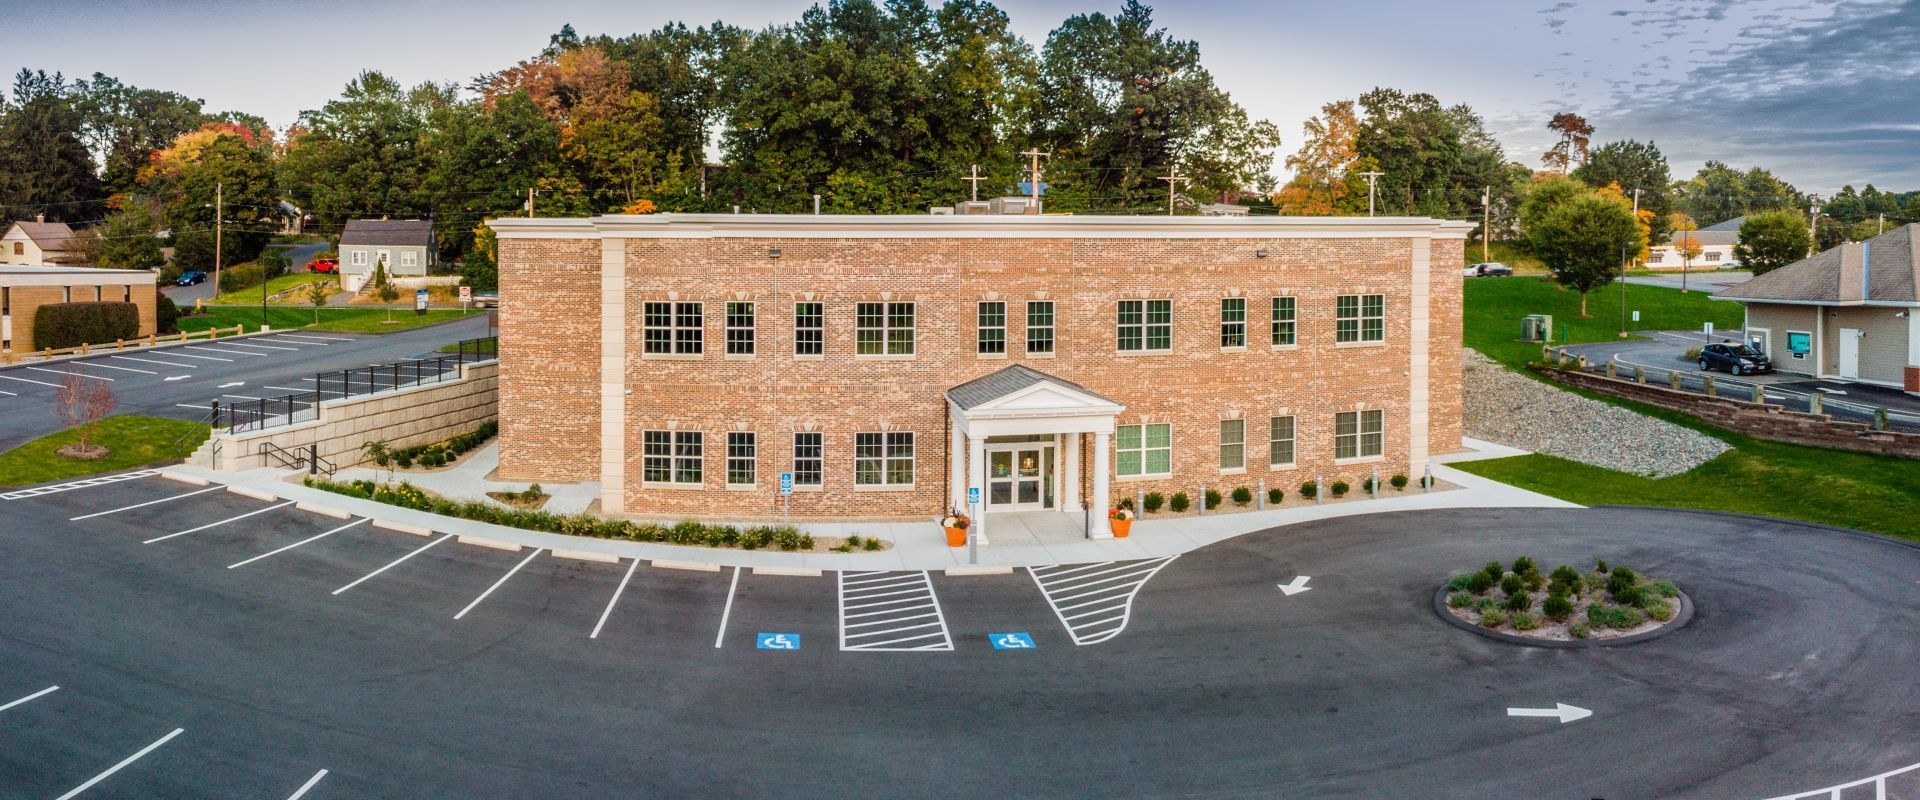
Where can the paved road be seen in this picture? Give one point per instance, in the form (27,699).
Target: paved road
(297,256)
(463,671)
(181,380)
(1697,280)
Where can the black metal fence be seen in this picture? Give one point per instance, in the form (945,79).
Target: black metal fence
(1792,396)
(273,412)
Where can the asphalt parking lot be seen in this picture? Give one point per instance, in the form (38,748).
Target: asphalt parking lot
(281,642)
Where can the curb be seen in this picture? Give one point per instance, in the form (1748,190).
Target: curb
(478,541)
(402,527)
(1818,526)
(257,494)
(696,566)
(586,555)
(186,479)
(322,510)
(1680,620)
(954,572)
(797,572)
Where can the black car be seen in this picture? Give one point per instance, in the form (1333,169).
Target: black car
(191,277)
(1739,359)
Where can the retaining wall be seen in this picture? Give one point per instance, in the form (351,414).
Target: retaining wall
(403,418)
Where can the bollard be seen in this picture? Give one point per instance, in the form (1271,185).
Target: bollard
(119,344)
(1426,481)
(1581,362)
(1260,497)
(1759,394)
(1814,402)
(1640,375)
(1319,490)
(83,348)
(1373,486)
(1200,500)
(1139,501)
(150,339)
(1706,381)
(1880,419)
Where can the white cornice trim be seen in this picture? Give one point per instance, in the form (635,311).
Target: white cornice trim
(928,226)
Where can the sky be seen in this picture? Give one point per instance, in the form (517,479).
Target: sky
(1822,93)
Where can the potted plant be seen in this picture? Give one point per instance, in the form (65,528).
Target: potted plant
(956,525)
(1121,520)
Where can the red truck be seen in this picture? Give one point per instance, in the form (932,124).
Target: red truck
(327,265)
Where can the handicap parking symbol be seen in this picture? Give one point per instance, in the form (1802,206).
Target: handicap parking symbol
(1017,640)
(777,641)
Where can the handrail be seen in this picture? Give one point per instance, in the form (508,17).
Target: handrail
(287,459)
(1879,783)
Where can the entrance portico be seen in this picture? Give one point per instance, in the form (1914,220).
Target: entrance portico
(1018,435)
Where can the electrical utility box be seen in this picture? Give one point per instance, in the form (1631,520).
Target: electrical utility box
(1536,328)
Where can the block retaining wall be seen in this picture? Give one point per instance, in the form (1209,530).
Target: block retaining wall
(403,418)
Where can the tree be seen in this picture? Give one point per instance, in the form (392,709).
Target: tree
(1684,243)
(484,157)
(362,154)
(1770,240)
(480,268)
(1544,193)
(1575,132)
(44,166)
(318,291)
(218,168)
(1718,193)
(1634,165)
(383,288)
(125,125)
(1828,233)
(1320,166)
(129,239)
(82,402)
(1580,241)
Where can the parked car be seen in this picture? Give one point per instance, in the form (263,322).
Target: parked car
(1739,359)
(1488,269)
(486,299)
(191,277)
(327,265)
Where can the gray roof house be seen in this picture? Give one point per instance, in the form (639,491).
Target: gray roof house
(1849,313)
(1716,248)
(406,245)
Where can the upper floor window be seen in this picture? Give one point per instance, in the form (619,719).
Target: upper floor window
(1655,257)
(1358,434)
(1040,326)
(674,328)
(993,327)
(1146,326)
(671,457)
(1283,322)
(809,329)
(1360,318)
(883,459)
(1233,322)
(883,329)
(1144,449)
(739,329)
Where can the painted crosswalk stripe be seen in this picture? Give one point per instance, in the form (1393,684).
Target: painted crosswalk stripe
(1095,601)
(891,612)
(122,765)
(80,484)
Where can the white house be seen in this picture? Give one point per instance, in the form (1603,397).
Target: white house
(40,243)
(1716,248)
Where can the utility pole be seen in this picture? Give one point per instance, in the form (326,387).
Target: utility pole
(1173,180)
(1486,222)
(1883,223)
(1371,177)
(529,202)
(1813,223)
(219,230)
(975,180)
(1636,221)
(1035,188)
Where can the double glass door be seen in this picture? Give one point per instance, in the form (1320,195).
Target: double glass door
(1020,477)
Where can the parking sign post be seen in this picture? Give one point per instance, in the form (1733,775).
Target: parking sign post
(973,528)
(786,495)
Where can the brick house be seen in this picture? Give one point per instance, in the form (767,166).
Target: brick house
(890,362)
(24,289)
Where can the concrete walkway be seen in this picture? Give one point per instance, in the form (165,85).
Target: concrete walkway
(916,545)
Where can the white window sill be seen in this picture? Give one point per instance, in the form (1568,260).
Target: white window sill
(741,357)
(799,488)
(673,356)
(681,486)
(884,357)
(1241,348)
(1360,460)
(1279,347)
(1344,345)
(889,487)
(1282,467)
(1136,478)
(1124,353)
(991,356)
(1045,354)
(1233,470)
(804,357)
(742,487)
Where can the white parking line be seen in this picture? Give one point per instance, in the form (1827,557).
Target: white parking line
(217,524)
(117,767)
(1105,591)
(190,405)
(29,698)
(178,354)
(9,394)
(123,369)
(291,340)
(897,623)
(74,374)
(30,380)
(396,562)
(728,610)
(315,336)
(241,396)
(308,785)
(496,584)
(260,346)
(614,599)
(228,352)
(143,505)
(286,389)
(156,361)
(298,543)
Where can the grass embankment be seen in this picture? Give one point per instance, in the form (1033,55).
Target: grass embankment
(346,320)
(1513,254)
(1832,487)
(283,283)
(131,441)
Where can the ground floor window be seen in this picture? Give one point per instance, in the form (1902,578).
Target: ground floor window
(1358,434)
(1144,449)
(741,458)
(807,458)
(671,457)
(1233,444)
(883,459)
(1280,442)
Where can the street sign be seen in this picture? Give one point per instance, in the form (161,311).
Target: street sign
(1017,640)
(1636,316)
(466,294)
(777,641)
(420,301)
(786,483)
(973,495)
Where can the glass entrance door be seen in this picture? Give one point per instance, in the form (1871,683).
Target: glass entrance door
(1020,478)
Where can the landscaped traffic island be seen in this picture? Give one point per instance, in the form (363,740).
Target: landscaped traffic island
(1566,605)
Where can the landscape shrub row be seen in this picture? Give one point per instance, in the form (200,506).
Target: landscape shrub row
(437,454)
(1242,496)
(61,325)
(688,532)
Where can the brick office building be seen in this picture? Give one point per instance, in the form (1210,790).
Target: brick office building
(24,289)
(889,362)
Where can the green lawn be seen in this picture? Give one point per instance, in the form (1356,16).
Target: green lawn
(280,284)
(1494,307)
(133,442)
(1512,254)
(349,320)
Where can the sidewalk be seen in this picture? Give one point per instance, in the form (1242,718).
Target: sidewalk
(916,545)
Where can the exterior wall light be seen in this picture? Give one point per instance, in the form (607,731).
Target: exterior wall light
(1260,253)
(773,252)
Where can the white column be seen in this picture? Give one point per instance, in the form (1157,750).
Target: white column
(957,463)
(1098,519)
(1420,333)
(977,476)
(1070,485)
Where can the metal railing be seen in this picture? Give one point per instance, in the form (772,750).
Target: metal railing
(1691,379)
(307,458)
(1878,782)
(274,412)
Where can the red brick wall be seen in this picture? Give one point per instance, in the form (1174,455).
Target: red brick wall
(550,359)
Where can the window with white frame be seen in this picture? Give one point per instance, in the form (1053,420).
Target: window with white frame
(807,455)
(809,329)
(673,328)
(671,457)
(1656,256)
(1283,322)
(1713,255)
(409,258)
(1144,449)
(1360,318)
(1358,434)
(739,329)
(993,327)
(883,329)
(1233,444)
(1040,326)
(359,258)
(742,458)
(1146,326)
(1233,322)
(883,459)
(1280,442)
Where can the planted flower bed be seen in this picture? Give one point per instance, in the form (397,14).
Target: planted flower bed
(1563,605)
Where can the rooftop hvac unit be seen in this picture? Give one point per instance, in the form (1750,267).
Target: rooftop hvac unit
(1536,328)
(1018,206)
(941,211)
(972,207)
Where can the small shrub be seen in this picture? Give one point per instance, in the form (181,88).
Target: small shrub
(1479,582)
(1612,616)
(1534,580)
(1559,590)
(870,544)
(1366,484)
(1565,574)
(1520,601)
(61,325)
(1399,482)
(1494,570)
(166,315)
(1154,501)
(1126,503)
(1629,596)
(1578,630)
(1493,618)
(1275,495)
(1309,490)
(1525,620)
(1460,581)
(1600,565)
(1179,503)
(1524,565)
(1242,496)
(1665,588)
(1512,584)
(532,493)
(1339,488)
(1459,600)
(1621,580)
(1557,607)
(1660,610)
(1213,499)
(403,459)
(1485,604)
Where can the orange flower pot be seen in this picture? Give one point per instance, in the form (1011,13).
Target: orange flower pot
(956,537)
(1120,527)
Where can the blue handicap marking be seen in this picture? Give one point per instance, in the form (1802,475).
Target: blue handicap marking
(973,495)
(777,641)
(1017,640)
(786,483)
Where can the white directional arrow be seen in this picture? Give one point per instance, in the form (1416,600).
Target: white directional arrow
(1565,712)
(1296,586)
(176,378)
(233,384)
